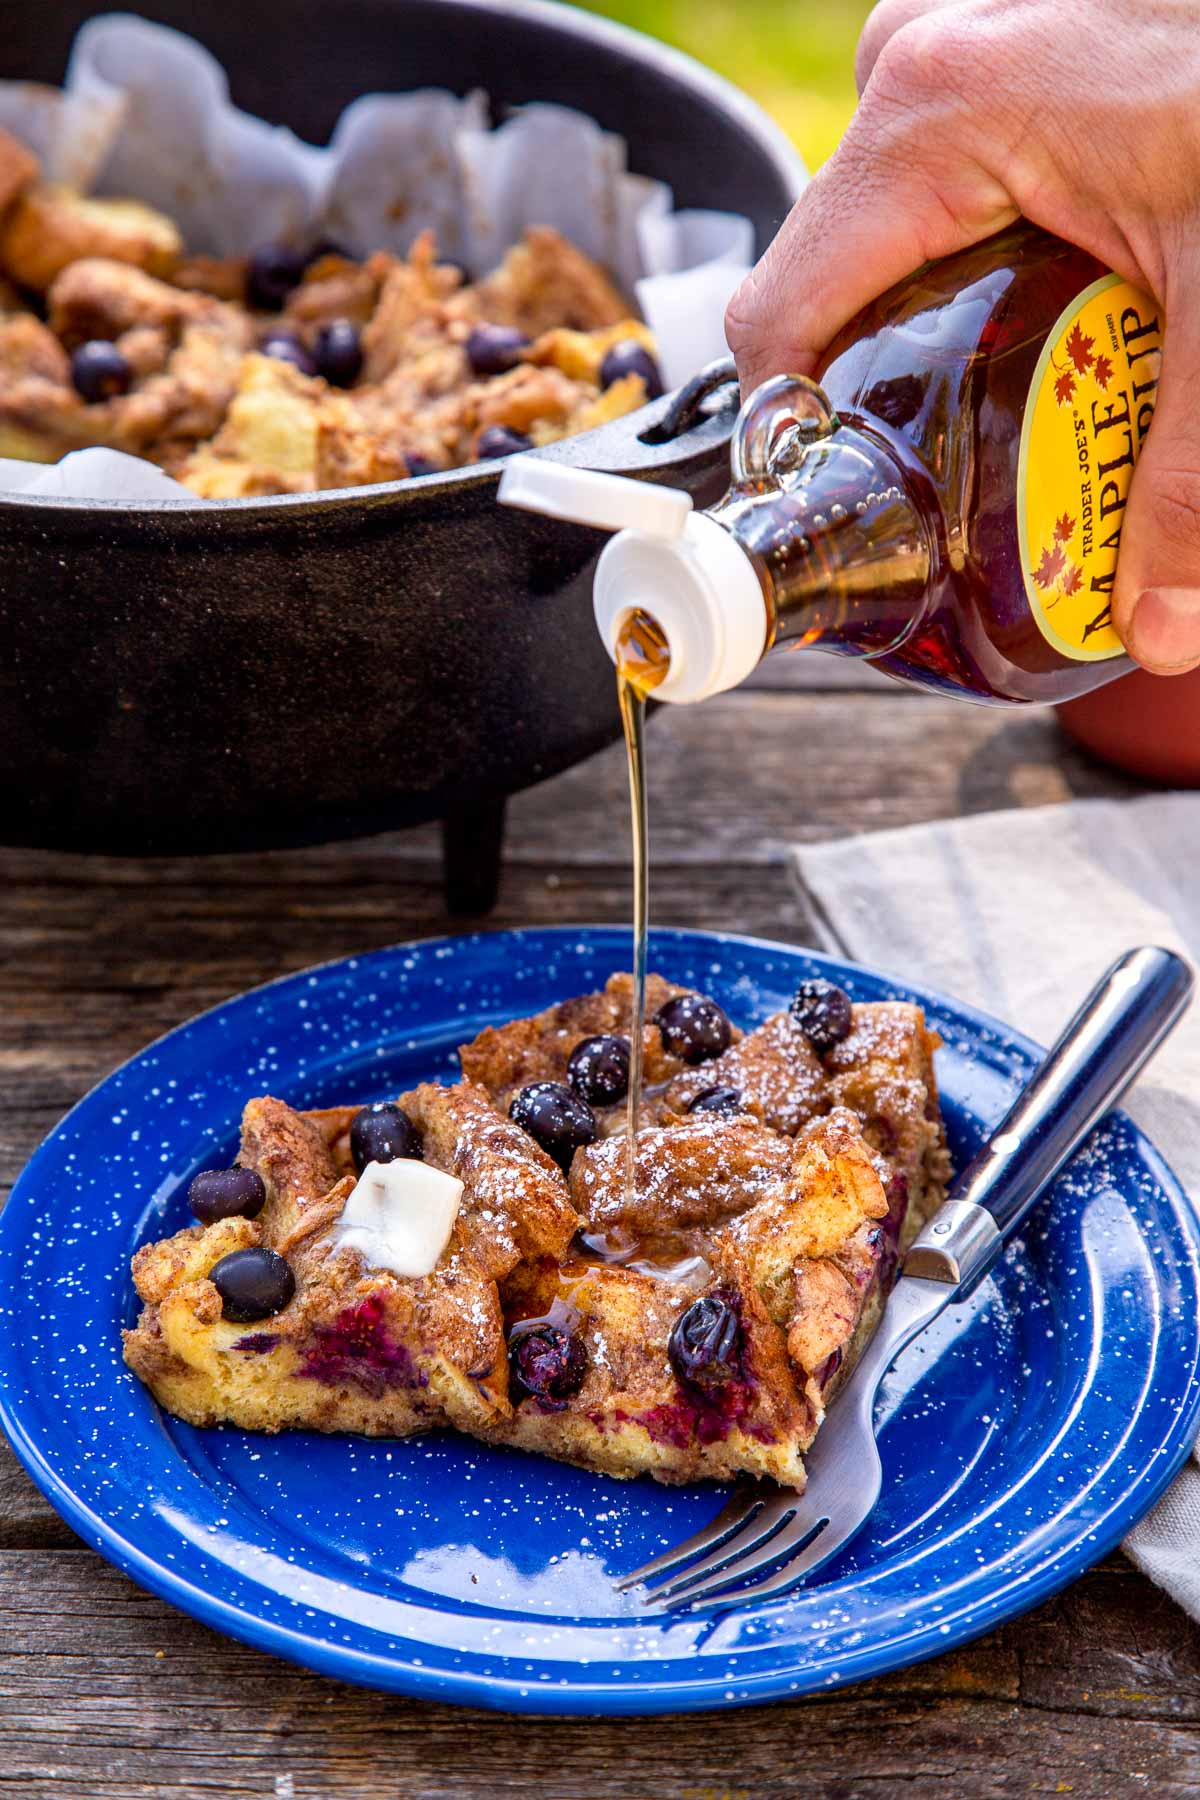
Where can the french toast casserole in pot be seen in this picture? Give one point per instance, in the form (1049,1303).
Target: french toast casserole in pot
(181,677)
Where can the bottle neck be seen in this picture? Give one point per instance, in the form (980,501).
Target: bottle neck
(839,541)
(827,537)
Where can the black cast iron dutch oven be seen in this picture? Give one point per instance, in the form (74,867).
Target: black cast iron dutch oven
(179,677)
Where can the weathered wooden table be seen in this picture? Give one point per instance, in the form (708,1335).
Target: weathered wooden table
(108,1694)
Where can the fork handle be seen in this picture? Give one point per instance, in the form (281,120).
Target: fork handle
(1114,1034)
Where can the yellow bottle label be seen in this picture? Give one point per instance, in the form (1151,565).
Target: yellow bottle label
(1090,406)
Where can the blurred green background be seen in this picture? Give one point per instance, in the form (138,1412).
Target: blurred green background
(796,59)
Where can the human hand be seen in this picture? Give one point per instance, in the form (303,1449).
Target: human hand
(1082,115)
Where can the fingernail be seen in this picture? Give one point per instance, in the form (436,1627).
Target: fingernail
(1165,630)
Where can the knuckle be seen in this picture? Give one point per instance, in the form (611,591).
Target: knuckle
(912,62)
(743,315)
(882,24)
(898,76)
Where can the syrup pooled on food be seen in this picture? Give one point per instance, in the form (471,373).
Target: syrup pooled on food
(642,663)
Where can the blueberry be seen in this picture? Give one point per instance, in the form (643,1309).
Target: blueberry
(823,1012)
(99,371)
(383,1133)
(727,1101)
(274,271)
(252,1284)
(226,1194)
(421,465)
(492,349)
(338,352)
(286,347)
(499,440)
(598,1069)
(693,1027)
(548,1362)
(704,1348)
(555,1117)
(629,357)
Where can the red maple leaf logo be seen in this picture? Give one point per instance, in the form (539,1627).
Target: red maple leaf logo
(1103,371)
(1050,567)
(1064,387)
(1064,529)
(1072,581)
(1079,348)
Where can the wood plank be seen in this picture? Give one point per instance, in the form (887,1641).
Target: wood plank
(27,1522)
(743,776)
(155,1704)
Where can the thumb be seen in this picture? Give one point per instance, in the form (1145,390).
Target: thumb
(1156,594)
(878,209)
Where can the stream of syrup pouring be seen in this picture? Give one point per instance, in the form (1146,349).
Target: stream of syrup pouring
(643,660)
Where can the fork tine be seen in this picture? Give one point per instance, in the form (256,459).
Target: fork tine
(758,1523)
(770,1523)
(738,1510)
(836,1528)
(816,1553)
(806,1529)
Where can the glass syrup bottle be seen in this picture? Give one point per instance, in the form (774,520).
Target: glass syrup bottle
(948,500)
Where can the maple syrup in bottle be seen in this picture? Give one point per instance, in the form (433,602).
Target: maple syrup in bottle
(947,500)
(955,510)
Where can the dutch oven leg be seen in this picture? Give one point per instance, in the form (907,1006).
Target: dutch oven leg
(472,844)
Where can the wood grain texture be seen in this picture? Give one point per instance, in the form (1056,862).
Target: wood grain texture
(107,1693)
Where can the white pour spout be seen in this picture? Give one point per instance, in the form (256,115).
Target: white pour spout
(667,560)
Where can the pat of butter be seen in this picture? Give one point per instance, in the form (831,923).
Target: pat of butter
(400,1216)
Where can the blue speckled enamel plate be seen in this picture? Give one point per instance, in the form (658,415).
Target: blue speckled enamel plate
(1021,1437)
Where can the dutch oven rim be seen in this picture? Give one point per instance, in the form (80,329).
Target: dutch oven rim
(685,69)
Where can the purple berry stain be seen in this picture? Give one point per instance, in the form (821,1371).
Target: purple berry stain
(358,1350)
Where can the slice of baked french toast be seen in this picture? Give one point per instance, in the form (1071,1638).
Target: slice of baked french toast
(489,1256)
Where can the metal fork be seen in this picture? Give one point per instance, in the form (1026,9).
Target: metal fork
(1110,1039)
